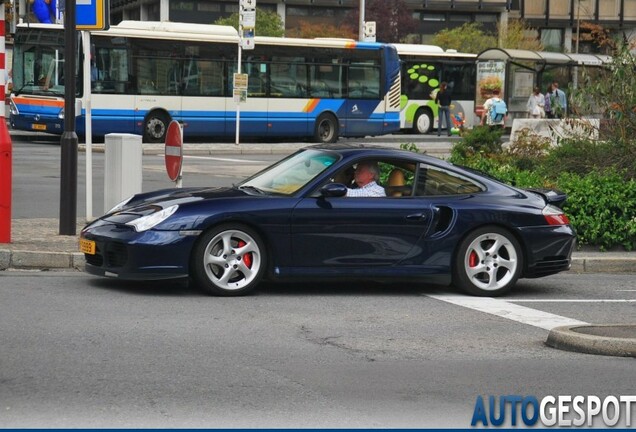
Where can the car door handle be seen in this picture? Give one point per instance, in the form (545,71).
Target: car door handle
(416,216)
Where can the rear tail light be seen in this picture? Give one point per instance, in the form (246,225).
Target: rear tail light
(555,216)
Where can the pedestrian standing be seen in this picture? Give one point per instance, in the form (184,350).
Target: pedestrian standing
(443,100)
(547,107)
(536,103)
(559,102)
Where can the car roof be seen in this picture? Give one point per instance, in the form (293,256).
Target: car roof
(372,150)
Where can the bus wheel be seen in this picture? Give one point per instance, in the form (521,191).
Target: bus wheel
(155,127)
(326,130)
(423,122)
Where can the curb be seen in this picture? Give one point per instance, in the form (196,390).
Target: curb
(37,260)
(610,339)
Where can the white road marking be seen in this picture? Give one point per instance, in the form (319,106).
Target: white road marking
(508,310)
(574,301)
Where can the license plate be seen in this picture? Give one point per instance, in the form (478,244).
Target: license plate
(36,126)
(87,246)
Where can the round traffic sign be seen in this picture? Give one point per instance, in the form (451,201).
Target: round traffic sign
(174,150)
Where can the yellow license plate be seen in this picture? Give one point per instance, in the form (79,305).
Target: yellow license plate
(36,126)
(87,246)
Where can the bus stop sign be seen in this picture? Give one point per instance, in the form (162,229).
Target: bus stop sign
(174,150)
(92,14)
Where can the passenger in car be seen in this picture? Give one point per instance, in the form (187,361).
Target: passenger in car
(366,177)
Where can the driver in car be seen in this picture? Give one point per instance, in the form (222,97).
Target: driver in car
(366,177)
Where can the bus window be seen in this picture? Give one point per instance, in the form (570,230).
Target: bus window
(326,80)
(288,77)
(364,81)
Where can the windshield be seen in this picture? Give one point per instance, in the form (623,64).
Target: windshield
(290,174)
(38,62)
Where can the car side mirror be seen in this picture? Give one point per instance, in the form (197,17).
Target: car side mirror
(333,190)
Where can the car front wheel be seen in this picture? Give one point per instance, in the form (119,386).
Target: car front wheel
(488,262)
(228,260)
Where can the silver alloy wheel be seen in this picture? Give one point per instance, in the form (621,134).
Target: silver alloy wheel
(491,262)
(232,260)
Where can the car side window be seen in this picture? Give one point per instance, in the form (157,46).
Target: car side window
(433,181)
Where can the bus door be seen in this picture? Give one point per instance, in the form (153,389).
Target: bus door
(289,107)
(157,101)
(362,114)
(112,90)
(203,105)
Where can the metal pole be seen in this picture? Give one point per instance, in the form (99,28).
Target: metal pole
(68,143)
(88,128)
(238,103)
(578,26)
(361,22)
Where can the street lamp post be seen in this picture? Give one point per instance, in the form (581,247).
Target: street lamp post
(361,22)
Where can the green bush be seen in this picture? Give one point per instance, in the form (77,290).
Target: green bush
(602,208)
(480,139)
(601,202)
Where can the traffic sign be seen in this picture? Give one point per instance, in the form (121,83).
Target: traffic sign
(174,150)
(92,14)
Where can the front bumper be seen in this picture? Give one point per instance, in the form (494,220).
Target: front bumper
(123,253)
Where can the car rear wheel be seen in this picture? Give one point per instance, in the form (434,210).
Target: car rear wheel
(228,260)
(488,262)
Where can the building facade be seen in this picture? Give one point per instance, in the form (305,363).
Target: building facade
(558,22)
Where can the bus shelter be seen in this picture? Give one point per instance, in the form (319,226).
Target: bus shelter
(516,72)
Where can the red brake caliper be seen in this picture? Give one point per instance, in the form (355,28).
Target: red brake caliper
(473,259)
(247,258)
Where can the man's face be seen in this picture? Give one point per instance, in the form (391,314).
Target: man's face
(362,175)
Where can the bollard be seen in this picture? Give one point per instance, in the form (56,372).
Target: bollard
(5,149)
(5,182)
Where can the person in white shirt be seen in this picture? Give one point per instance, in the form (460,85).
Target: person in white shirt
(536,103)
(366,177)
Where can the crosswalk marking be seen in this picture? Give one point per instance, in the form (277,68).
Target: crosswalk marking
(508,310)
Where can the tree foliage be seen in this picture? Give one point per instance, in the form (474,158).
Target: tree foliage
(317,30)
(394,21)
(267,23)
(517,34)
(469,38)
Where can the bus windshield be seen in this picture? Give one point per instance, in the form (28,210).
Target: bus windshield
(38,63)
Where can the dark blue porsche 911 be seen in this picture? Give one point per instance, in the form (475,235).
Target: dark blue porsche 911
(438,223)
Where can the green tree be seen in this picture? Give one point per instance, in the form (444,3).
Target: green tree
(468,38)
(517,34)
(394,22)
(267,23)
(320,30)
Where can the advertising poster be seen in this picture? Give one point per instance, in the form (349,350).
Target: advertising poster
(491,75)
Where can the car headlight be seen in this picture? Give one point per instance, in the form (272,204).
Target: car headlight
(146,222)
(120,205)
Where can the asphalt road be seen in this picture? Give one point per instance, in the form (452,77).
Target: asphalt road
(79,351)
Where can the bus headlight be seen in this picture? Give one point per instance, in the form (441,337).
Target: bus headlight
(60,115)
(13,108)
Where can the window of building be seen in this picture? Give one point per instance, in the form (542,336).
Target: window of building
(552,38)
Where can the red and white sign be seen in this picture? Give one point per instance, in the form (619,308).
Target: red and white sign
(174,150)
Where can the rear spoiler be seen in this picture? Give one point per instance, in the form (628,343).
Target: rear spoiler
(550,196)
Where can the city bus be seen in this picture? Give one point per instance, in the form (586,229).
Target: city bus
(146,74)
(424,68)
